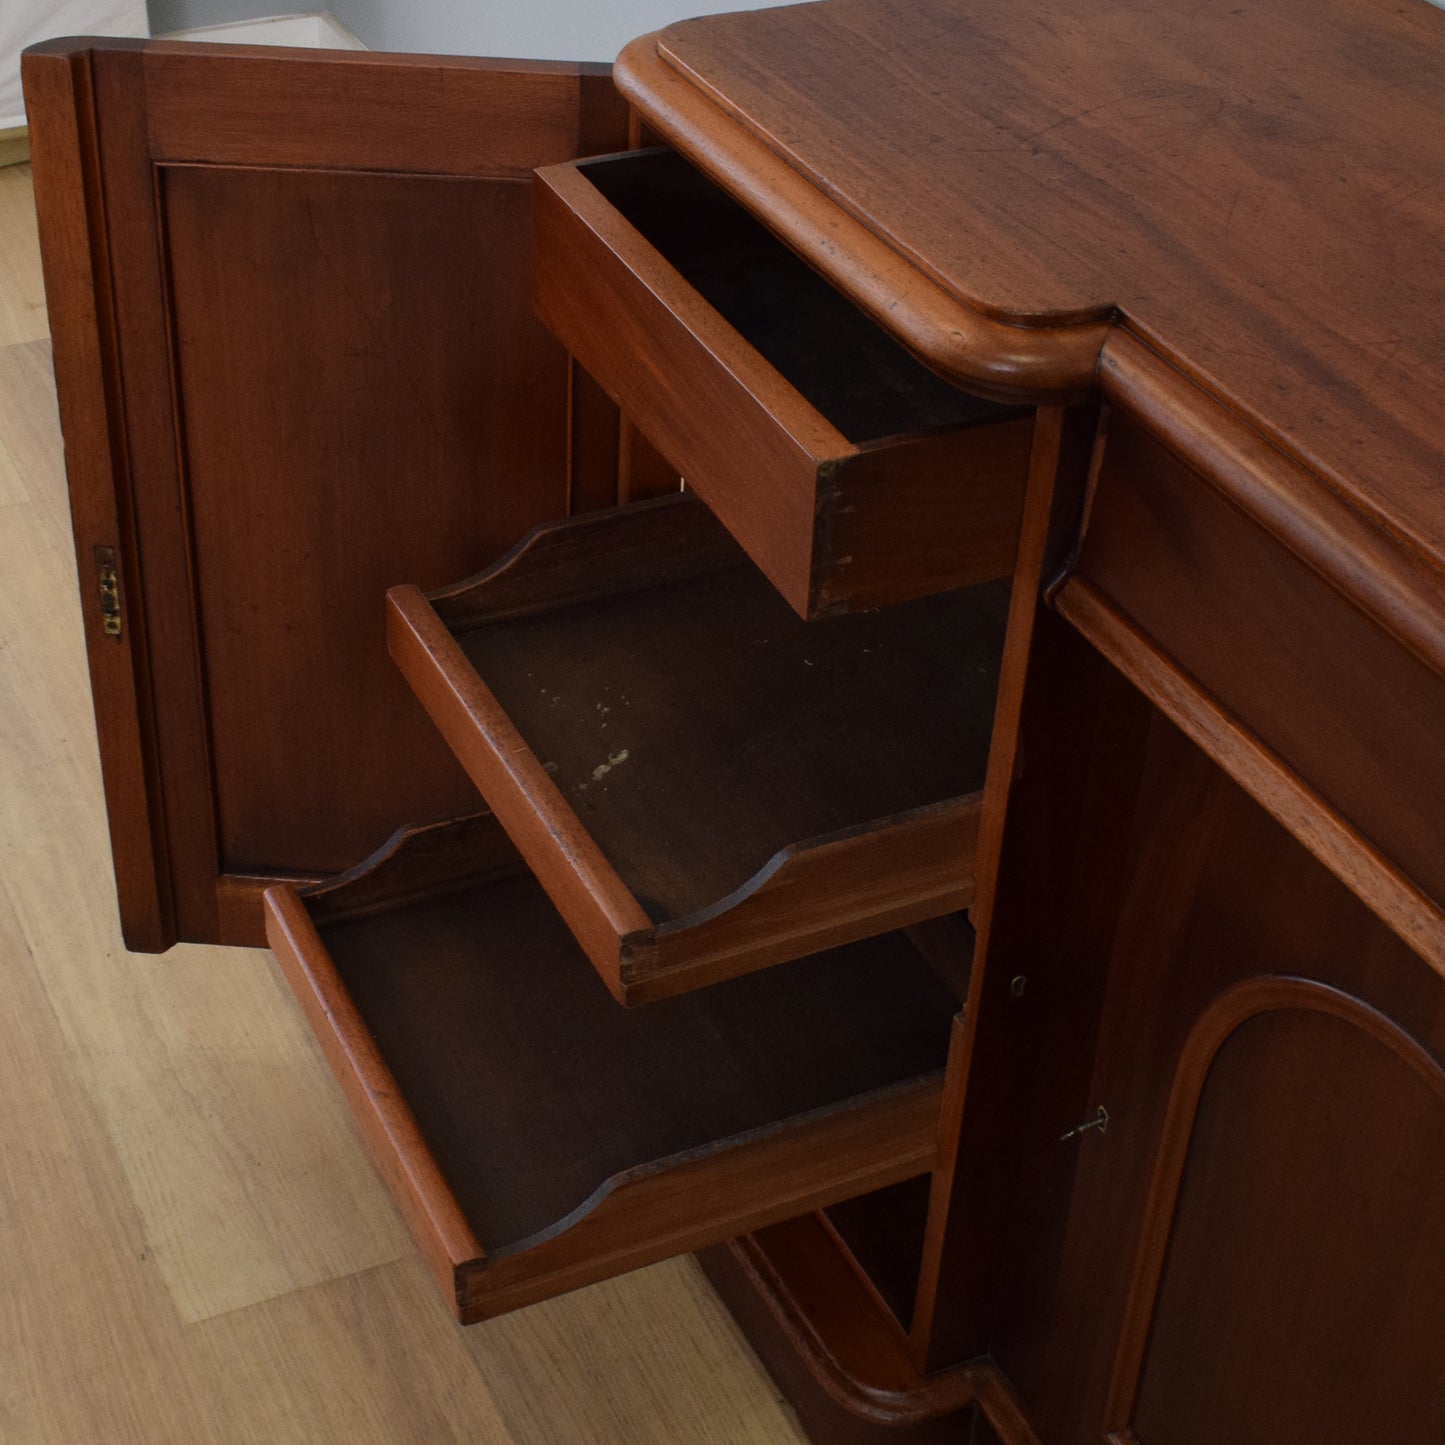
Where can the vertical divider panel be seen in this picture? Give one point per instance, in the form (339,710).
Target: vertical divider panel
(950,1314)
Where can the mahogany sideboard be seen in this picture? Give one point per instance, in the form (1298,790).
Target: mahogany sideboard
(969,862)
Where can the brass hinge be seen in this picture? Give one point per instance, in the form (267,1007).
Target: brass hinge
(109,590)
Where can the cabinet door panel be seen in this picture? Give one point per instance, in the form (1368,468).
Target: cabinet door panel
(1246,1250)
(297,362)
(1292,1282)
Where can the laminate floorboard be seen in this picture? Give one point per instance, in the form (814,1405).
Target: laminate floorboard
(22,293)
(196,1249)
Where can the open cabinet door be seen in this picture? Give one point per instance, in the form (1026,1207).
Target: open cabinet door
(297,363)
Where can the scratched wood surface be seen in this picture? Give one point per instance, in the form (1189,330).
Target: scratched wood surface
(1256,188)
(195,1250)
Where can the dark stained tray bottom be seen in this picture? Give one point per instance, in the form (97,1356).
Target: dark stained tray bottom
(533,1088)
(699,727)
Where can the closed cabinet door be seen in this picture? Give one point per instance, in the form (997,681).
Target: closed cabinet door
(1211,1215)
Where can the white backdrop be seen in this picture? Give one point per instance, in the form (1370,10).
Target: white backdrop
(536,29)
(23,22)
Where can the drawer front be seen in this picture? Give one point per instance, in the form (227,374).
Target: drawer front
(1352,714)
(538,1138)
(834,520)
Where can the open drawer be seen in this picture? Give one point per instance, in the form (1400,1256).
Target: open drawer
(704,783)
(853,475)
(539,1138)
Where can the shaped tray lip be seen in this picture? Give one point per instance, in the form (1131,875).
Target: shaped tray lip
(599,907)
(647,974)
(780,861)
(618,1183)
(452,598)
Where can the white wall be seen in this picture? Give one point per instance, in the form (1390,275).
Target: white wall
(533,29)
(169,15)
(530,29)
(23,22)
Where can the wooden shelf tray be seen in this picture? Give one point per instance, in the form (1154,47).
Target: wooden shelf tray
(852,474)
(539,1138)
(705,784)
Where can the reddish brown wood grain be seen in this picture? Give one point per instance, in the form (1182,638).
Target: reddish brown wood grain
(60,106)
(834,520)
(432,1213)
(435,114)
(312,273)
(701,1142)
(1373,876)
(688,868)
(993,359)
(1256,1039)
(820,1334)
(1276,647)
(1176,889)
(995,1048)
(685,1205)
(1231,211)
(1249,188)
(281,321)
(813,895)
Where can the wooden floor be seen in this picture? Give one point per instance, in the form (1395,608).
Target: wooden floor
(192,1246)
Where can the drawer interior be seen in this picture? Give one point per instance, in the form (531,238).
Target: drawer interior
(848,368)
(704,783)
(699,727)
(537,1136)
(533,1089)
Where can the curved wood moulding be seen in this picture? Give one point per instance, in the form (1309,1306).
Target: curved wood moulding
(656,872)
(981,353)
(1232,1009)
(453,1059)
(851,1350)
(1394,587)
(805,1302)
(1395,898)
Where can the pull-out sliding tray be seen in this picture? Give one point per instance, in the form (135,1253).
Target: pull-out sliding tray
(852,474)
(539,1138)
(704,783)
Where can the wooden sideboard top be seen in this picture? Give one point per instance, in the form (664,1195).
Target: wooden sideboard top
(1256,190)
